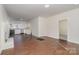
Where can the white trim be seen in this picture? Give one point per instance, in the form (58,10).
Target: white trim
(76,42)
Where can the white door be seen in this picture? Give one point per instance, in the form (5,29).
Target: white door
(63,29)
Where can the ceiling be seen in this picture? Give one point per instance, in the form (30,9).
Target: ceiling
(30,11)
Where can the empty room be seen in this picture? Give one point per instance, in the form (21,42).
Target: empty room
(39,29)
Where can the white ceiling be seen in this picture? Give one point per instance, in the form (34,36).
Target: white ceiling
(29,11)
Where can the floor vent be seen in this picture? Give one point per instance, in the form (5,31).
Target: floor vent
(40,39)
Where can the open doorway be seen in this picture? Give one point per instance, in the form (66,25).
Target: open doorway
(63,30)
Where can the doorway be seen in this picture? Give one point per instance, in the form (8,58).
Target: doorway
(63,29)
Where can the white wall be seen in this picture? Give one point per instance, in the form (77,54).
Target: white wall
(4,21)
(49,26)
(52,28)
(39,26)
(73,24)
(43,26)
(35,26)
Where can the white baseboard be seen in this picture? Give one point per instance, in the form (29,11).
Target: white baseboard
(74,42)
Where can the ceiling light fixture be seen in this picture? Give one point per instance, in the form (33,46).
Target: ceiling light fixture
(46,6)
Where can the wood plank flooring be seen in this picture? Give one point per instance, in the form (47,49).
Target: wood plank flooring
(24,45)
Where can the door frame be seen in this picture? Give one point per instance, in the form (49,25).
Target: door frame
(59,29)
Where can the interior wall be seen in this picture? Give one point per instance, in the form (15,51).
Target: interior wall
(4,21)
(49,26)
(52,27)
(73,24)
(35,26)
(40,26)
(43,26)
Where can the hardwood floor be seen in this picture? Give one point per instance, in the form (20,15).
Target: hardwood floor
(44,46)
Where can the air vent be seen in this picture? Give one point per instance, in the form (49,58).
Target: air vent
(40,39)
